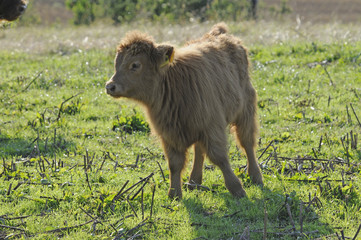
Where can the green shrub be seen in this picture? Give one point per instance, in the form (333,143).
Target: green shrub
(83,10)
(134,123)
(86,12)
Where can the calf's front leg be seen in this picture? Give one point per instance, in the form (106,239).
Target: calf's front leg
(176,161)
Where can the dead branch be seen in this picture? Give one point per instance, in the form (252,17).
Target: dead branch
(134,185)
(301,217)
(13,228)
(34,79)
(245,235)
(355,115)
(62,104)
(67,228)
(265,150)
(232,214)
(141,224)
(120,191)
(198,186)
(265,222)
(287,233)
(151,207)
(328,75)
(96,219)
(357,232)
(291,218)
(161,170)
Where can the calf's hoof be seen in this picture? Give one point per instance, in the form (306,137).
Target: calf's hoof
(258,180)
(240,193)
(256,176)
(235,188)
(173,194)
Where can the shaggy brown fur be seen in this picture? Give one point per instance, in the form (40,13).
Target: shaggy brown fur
(191,100)
(10,10)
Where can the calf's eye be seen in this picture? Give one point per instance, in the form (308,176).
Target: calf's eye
(135,66)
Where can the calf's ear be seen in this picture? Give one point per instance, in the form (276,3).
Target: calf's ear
(166,53)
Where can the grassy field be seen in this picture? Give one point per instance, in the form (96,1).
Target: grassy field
(76,164)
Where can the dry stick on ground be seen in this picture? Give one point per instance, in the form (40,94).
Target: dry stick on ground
(301,217)
(161,170)
(142,199)
(199,187)
(62,104)
(345,145)
(22,217)
(314,159)
(245,235)
(357,232)
(265,150)
(291,218)
(328,75)
(314,152)
(120,191)
(353,140)
(265,222)
(9,190)
(87,179)
(329,237)
(34,79)
(101,165)
(72,167)
(31,82)
(151,206)
(230,215)
(342,235)
(349,120)
(287,233)
(316,200)
(87,162)
(141,188)
(355,115)
(67,228)
(4,167)
(134,185)
(11,227)
(96,219)
(131,206)
(54,142)
(38,149)
(141,224)
(320,144)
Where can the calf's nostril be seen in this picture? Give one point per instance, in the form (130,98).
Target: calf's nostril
(22,8)
(110,87)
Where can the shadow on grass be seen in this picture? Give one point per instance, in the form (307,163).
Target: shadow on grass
(265,214)
(28,148)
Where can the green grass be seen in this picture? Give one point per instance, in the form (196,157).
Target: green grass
(67,149)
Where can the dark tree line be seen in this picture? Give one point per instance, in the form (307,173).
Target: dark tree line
(87,11)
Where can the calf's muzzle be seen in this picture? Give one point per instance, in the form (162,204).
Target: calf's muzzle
(110,87)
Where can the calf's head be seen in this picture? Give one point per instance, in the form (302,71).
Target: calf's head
(10,10)
(139,64)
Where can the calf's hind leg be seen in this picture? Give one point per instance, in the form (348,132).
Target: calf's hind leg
(246,131)
(197,170)
(217,152)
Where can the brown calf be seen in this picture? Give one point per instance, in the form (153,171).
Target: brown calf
(10,10)
(191,94)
